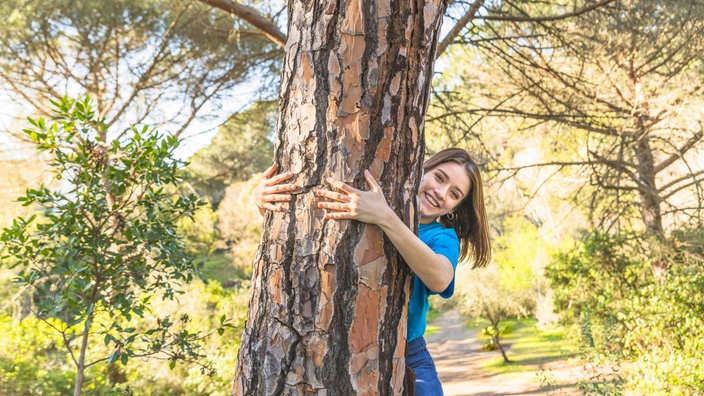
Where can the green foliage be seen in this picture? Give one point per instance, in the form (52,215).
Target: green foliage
(106,245)
(33,362)
(240,223)
(519,250)
(532,346)
(201,235)
(606,287)
(26,350)
(509,287)
(600,278)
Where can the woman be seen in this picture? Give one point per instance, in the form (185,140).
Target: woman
(452,227)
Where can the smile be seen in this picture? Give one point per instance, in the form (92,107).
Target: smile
(431,200)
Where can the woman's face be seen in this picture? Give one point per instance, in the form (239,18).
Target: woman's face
(441,189)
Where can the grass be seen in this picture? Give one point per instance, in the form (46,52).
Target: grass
(527,346)
(436,309)
(219,266)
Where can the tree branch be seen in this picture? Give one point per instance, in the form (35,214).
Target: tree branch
(542,164)
(546,18)
(253,17)
(680,152)
(620,166)
(695,181)
(455,31)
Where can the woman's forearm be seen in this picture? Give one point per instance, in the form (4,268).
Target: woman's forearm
(435,270)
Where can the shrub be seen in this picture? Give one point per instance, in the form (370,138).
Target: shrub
(606,287)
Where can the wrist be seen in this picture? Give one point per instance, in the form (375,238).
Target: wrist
(389,221)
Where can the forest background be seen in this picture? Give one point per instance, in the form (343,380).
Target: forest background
(586,117)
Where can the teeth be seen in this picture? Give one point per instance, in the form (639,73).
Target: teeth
(431,200)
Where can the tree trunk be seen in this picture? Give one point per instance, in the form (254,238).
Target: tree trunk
(498,345)
(649,196)
(328,308)
(81,363)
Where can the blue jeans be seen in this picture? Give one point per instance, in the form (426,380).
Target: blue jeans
(418,358)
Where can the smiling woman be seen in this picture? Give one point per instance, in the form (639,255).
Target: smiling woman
(444,188)
(453,226)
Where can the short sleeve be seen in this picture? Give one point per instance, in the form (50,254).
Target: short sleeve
(447,244)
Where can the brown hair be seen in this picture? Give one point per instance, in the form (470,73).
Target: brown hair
(469,216)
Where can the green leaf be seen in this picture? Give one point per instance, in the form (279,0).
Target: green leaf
(113,357)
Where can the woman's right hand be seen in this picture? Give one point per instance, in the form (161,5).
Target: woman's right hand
(270,193)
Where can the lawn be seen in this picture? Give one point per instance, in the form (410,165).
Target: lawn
(527,346)
(221,267)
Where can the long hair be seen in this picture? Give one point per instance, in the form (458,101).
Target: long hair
(469,217)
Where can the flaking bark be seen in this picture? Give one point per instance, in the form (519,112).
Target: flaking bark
(328,310)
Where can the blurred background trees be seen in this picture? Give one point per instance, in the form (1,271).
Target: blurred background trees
(143,62)
(593,125)
(585,116)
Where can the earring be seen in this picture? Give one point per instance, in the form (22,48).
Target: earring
(450,216)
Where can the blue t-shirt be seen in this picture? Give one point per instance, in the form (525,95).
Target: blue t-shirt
(443,241)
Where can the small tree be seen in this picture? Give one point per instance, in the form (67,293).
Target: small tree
(492,300)
(510,287)
(105,244)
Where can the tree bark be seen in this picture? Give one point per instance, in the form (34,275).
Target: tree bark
(649,197)
(328,310)
(81,363)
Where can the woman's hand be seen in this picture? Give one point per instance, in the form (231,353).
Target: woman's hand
(269,193)
(350,203)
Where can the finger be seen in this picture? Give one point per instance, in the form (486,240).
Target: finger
(337,206)
(334,195)
(372,181)
(279,188)
(272,207)
(270,171)
(341,186)
(279,178)
(276,198)
(338,216)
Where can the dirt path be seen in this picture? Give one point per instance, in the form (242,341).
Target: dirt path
(457,355)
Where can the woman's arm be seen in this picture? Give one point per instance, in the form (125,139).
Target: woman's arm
(435,270)
(269,192)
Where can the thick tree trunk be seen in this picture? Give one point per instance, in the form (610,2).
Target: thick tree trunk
(328,309)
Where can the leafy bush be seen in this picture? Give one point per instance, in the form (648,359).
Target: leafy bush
(33,361)
(606,286)
(107,244)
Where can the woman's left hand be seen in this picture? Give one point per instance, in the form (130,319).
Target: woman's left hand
(350,203)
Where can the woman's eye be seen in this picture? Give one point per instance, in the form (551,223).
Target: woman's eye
(438,177)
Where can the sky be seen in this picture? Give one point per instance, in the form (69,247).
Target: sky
(198,135)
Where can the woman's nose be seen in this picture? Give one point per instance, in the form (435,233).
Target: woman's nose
(442,192)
